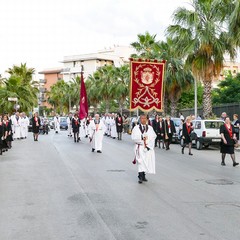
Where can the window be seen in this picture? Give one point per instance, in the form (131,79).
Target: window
(198,125)
(213,124)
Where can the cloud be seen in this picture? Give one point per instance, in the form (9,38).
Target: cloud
(42,32)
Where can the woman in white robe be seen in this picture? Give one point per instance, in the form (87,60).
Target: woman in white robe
(144,137)
(16,124)
(113,126)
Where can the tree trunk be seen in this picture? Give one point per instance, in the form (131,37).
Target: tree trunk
(207,99)
(107,106)
(173,106)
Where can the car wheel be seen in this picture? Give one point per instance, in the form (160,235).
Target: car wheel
(199,145)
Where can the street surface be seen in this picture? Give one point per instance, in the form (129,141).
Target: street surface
(55,189)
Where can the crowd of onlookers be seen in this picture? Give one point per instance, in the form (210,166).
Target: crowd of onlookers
(12,127)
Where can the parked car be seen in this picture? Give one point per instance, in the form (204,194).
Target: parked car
(177,124)
(208,132)
(51,122)
(63,123)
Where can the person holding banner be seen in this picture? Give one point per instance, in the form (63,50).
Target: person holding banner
(96,132)
(144,137)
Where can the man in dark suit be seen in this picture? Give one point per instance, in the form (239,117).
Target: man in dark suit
(169,131)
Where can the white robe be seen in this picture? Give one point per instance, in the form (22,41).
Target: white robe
(17,128)
(69,123)
(108,127)
(96,134)
(24,123)
(113,128)
(57,124)
(145,158)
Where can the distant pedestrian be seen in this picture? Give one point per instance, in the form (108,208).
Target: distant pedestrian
(228,138)
(236,124)
(69,122)
(169,131)
(57,123)
(223,116)
(75,127)
(119,125)
(186,135)
(36,123)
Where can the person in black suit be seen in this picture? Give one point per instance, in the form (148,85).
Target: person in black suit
(155,123)
(119,125)
(187,129)
(169,131)
(75,127)
(36,123)
(236,124)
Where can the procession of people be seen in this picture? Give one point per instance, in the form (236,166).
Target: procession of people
(146,134)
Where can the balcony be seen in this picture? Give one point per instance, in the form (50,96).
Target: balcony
(43,80)
(42,99)
(42,90)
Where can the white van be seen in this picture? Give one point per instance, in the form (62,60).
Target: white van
(208,132)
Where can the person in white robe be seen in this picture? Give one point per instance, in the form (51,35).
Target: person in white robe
(107,124)
(57,123)
(144,137)
(24,123)
(113,126)
(69,123)
(96,132)
(16,124)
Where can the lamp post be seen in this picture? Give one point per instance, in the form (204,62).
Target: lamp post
(195,98)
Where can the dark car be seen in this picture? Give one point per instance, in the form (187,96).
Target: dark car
(63,123)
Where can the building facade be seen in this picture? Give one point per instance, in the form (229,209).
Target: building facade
(50,77)
(117,56)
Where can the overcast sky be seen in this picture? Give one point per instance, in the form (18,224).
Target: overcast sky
(41,33)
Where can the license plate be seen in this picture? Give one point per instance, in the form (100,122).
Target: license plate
(216,140)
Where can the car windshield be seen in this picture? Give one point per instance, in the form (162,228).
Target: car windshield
(177,122)
(213,124)
(63,120)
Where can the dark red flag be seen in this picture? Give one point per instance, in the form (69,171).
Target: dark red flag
(83,105)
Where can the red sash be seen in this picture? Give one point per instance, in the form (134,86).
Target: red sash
(230,132)
(188,128)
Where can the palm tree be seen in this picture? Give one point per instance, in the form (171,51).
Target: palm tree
(58,96)
(201,39)
(177,76)
(121,85)
(104,82)
(94,97)
(23,72)
(26,94)
(146,46)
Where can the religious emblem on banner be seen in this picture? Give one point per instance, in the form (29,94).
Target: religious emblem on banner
(146,90)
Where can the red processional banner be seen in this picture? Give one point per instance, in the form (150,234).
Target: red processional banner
(146,90)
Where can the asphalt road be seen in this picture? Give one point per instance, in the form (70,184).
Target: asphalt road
(56,189)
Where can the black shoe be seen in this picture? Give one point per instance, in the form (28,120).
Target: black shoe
(223,163)
(93,149)
(140,177)
(74,140)
(190,154)
(79,139)
(98,151)
(182,150)
(144,178)
(235,164)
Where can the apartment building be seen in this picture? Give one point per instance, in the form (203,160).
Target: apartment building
(117,56)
